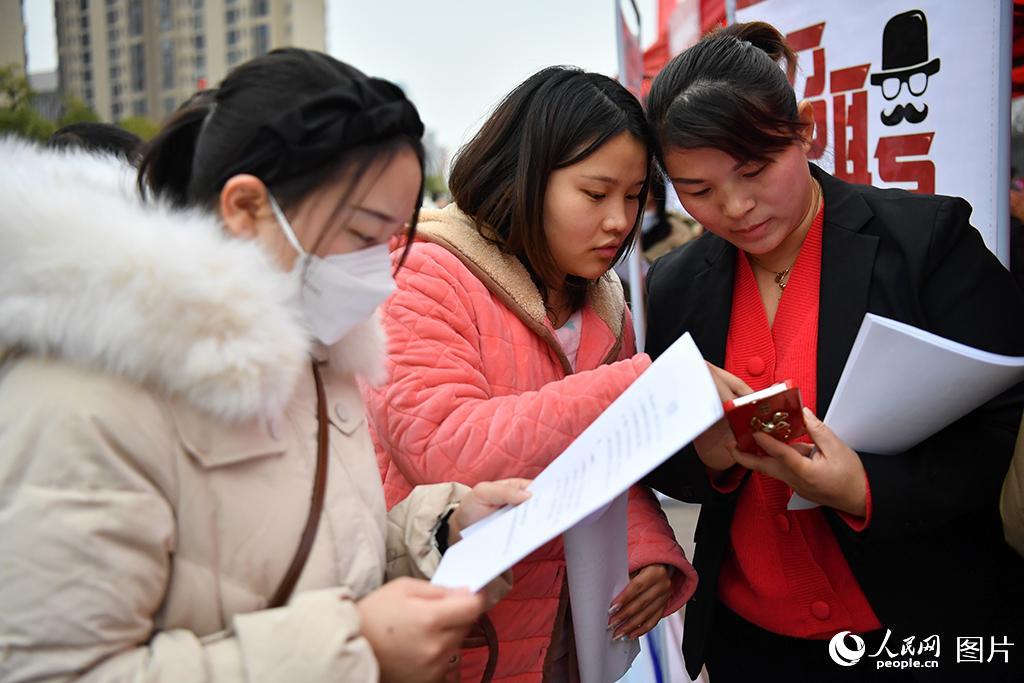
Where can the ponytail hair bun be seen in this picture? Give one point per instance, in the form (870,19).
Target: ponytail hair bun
(730,92)
(767,39)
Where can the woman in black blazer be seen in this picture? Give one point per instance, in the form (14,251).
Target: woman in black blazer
(920,531)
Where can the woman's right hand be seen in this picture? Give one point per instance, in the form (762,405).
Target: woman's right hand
(729,385)
(715,446)
(415,628)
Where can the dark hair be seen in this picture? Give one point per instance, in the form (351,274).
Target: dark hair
(99,138)
(295,119)
(727,92)
(554,119)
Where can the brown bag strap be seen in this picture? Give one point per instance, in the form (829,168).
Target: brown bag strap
(491,636)
(483,635)
(316,505)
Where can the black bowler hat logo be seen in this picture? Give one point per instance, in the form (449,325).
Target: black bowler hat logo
(905,62)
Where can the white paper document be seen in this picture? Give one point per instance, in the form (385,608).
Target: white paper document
(669,405)
(902,385)
(597,569)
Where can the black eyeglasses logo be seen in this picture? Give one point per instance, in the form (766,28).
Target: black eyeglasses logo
(916,83)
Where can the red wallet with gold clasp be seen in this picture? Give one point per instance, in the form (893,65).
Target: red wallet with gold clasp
(776,411)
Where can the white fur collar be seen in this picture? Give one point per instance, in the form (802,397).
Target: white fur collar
(91,274)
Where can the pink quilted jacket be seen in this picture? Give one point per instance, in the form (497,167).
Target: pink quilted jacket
(479,389)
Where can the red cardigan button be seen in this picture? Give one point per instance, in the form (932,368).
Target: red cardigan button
(821,610)
(755,366)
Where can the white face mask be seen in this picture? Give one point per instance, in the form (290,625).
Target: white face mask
(341,290)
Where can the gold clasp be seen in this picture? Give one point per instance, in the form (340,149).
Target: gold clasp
(777,425)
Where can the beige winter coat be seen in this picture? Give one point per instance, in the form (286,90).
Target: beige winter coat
(157,450)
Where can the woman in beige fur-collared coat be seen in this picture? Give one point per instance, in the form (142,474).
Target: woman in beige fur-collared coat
(177,377)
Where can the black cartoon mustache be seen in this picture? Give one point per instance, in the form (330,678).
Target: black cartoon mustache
(905,111)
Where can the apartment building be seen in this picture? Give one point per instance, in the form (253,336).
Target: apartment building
(12,35)
(144,57)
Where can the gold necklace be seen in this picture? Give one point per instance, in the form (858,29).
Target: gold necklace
(782,276)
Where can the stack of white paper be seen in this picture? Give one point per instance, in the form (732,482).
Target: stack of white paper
(597,569)
(902,385)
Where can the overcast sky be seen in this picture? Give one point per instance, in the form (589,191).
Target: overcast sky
(455,58)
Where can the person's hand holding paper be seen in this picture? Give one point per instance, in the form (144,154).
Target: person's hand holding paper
(483,500)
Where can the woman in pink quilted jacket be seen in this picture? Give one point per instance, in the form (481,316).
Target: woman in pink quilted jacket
(509,334)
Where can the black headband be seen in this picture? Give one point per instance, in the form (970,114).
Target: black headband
(318,130)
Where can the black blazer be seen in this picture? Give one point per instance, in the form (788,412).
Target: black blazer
(933,559)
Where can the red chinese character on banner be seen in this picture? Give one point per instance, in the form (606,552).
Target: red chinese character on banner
(814,88)
(850,117)
(849,111)
(920,171)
